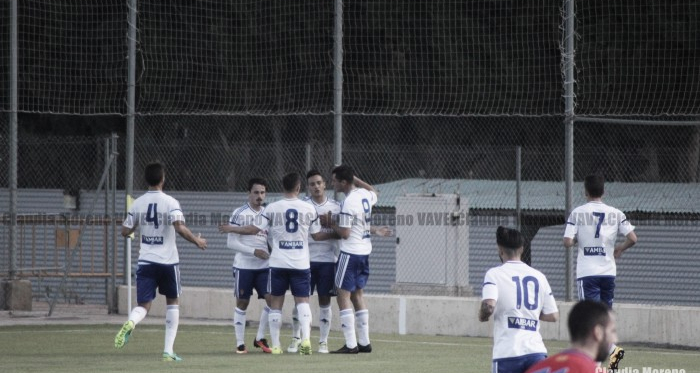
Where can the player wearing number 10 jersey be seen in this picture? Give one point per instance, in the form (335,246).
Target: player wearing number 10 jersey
(519,297)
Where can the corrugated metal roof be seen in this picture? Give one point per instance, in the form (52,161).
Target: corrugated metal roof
(550,195)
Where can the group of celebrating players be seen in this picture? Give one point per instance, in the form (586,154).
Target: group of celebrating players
(318,244)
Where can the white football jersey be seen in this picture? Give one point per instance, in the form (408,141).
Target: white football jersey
(240,217)
(154,214)
(326,250)
(356,214)
(521,293)
(289,222)
(595,226)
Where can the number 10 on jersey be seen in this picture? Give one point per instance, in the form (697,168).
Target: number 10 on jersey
(523,289)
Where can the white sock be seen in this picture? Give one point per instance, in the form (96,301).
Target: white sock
(324,324)
(172,320)
(239,326)
(347,325)
(275,319)
(362,325)
(304,315)
(296,327)
(262,327)
(137,314)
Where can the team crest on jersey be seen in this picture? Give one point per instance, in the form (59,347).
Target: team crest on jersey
(522,323)
(594,251)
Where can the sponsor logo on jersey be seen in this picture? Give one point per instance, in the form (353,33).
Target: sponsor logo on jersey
(594,251)
(152,240)
(522,323)
(287,245)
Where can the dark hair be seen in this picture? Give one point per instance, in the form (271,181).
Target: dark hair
(291,181)
(256,180)
(584,316)
(509,238)
(313,172)
(344,172)
(595,185)
(154,173)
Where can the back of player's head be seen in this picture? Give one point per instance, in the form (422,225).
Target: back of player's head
(509,238)
(154,173)
(256,180)
(344,172)
(313,172)
(291,181)
(584,317)
(595,185)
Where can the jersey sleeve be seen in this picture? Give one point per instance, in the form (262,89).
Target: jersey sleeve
(315,225)
(624,226)
(373,198)
(264,221)
(571,227)
(132,218)
(346,215)
(489,288)
(549,305)
(175,212)
(235,219)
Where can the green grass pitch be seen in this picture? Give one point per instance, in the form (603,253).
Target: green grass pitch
(90,348)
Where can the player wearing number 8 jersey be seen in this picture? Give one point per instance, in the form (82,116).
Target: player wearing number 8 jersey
(595,227)
(519,297)
(289,222)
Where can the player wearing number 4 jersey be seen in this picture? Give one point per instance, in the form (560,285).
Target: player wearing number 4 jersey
(289,222)
(158,216)
(595,226)
(519,297)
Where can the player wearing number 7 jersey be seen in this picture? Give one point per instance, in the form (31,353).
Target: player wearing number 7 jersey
(595,227)
(158,216)
(519,297)
(289,222)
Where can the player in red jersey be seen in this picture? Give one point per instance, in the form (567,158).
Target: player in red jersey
(592,330)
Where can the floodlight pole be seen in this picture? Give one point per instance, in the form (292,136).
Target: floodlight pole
(14,107)
(131,110)
(338,84)
(568,66)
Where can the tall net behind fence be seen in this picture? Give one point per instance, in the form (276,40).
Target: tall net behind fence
(452,57)
(235,57)
(637,58)
(71,56)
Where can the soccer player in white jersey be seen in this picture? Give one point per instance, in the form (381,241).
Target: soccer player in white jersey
(352,271)
(289,222)
(595,227)
(323,258)
(158,216)
(519,297)
(250,266)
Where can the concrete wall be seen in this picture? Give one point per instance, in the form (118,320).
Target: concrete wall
(446,316)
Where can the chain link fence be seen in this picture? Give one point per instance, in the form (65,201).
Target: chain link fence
(445,185)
